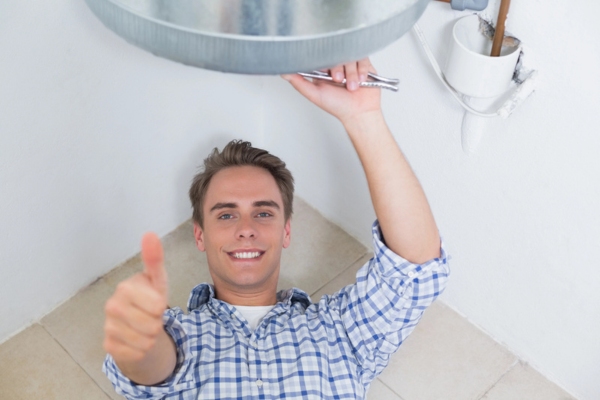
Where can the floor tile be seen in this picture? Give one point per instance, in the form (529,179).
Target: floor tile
(524,383)
(186,265)
(319,250)
(378,391)
(120,273)
(347,277)
(446,357)
(34,366)
(78,326)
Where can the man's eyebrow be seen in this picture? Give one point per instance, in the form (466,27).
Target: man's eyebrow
(266,203)
(260,203)
(220,206)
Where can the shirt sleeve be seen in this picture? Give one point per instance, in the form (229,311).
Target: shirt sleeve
(174,383)
(387,301)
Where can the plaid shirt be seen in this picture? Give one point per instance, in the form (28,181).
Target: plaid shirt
(332,349)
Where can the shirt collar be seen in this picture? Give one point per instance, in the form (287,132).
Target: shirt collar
(205,293)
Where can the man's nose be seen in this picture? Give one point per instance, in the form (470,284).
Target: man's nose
(246,228)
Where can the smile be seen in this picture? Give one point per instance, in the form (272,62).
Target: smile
(246,254)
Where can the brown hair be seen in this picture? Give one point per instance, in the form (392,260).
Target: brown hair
(239,153)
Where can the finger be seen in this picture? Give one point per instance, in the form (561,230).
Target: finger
(137,292)
(117,331)
(153,258)
(337,73)
(364,67)
(148,324)
(351,76)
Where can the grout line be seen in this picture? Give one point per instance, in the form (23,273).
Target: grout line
(392,390)
(75,361)
(339,274)
(510,368)
(519,357)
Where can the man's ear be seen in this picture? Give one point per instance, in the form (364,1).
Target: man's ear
(199,236)
(287,233)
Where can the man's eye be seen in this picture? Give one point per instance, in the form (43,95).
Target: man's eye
(264,214)
(226,216)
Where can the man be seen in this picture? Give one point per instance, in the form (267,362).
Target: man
(241,339)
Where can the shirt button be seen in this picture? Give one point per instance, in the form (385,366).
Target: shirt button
(411,274)
(254,344)
(232,316)
(259,383)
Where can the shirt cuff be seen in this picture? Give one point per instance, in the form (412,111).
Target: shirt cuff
(398,264)
(125,387)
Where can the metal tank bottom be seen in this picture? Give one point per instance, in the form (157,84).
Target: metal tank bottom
(265,37)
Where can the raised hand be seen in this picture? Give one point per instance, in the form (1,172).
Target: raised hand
(398,199)
(343,103)
(133,328)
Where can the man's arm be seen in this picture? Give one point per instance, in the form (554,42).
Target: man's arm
(133,331)
(400,204)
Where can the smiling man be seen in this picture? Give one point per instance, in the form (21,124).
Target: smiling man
(242,221)
(241,339)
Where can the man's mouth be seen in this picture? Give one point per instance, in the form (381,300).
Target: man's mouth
(246,255)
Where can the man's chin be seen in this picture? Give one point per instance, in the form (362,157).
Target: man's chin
(247,282)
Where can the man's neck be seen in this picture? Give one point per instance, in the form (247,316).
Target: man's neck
(267,297)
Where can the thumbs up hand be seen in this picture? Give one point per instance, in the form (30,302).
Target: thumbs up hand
(133,329)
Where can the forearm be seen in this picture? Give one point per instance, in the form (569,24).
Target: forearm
(400,204)
(158,364)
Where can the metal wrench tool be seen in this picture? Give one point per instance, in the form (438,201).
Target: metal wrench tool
(375,82)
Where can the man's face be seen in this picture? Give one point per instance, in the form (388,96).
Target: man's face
(244,229)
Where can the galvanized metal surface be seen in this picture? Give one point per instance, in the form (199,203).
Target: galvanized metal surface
(260,36)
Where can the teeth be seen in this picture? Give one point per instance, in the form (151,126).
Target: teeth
(247,254)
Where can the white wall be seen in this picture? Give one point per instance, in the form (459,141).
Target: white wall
(521,216)
(98,143)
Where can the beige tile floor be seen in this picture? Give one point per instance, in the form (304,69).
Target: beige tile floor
(445,358)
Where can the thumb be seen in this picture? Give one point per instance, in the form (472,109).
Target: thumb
(153,258)
(306,88)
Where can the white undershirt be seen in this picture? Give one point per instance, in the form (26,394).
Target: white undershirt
(254,314)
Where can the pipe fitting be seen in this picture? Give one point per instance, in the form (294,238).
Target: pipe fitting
(476,5)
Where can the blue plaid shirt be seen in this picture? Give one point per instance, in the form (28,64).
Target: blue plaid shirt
(332,349)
